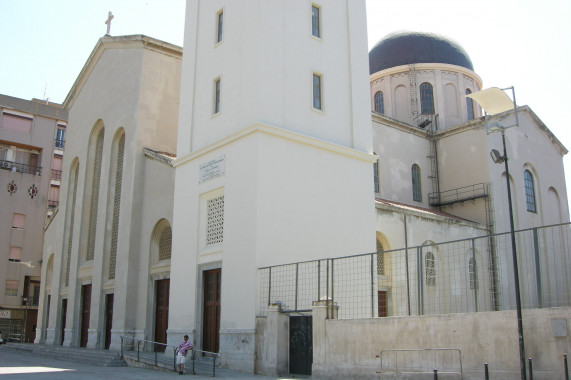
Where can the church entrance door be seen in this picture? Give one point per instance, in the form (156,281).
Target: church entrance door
(161,312)
(108,319)
(211,327)
(63,319)
(85,310)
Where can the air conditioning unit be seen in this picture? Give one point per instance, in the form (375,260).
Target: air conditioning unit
(6,165)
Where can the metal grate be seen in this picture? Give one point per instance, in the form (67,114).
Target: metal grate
(94,197)
(116,207)
(165,244)
(215,223)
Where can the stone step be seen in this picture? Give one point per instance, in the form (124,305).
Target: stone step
(96,357)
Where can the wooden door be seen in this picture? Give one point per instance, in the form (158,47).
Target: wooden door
(161,312)
(63,318)
(108,319)
(211,322)
(382,305)
(85,309)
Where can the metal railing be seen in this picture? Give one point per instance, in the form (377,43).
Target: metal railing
(163,355)
(20,167)
(461,194)
(55,174)
(422,361)
(468,275)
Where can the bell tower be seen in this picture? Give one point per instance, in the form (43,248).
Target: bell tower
(274,162)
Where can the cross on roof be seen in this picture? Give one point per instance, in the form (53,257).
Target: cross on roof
(108,22)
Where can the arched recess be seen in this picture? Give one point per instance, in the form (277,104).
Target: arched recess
(554,211)
(401,102)
(475,279)
(69,222)
(384,270)
(451,96)
(160,261)
(116,166)
(91,191)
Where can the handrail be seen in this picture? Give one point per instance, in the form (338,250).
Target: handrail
(195,356)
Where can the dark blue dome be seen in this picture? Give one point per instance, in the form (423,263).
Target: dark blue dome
(404,48)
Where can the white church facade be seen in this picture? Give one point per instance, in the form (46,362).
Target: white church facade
(188,170)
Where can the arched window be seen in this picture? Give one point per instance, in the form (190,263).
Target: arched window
(93,202)
(469,105)
(380,103)
(416,187)
(529,191)
(426,99)
(165,244)
(473,272)
(430,267)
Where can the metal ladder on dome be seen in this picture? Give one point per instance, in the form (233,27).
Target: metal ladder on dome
(413,97)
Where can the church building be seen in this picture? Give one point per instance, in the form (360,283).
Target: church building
(273,138)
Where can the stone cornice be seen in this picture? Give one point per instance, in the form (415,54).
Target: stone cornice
(279,133)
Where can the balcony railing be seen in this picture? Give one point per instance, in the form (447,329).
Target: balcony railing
(56,174)
(53,204)
(20,168)
(59,143)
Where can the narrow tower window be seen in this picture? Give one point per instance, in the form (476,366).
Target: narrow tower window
(316,91)
(376,175)
(426,99)
(430,267)
(416,186)
(315,21)
(529,191)
(217,96)
(220,28)
(469,105)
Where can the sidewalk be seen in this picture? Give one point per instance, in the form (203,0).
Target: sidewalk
(22,365)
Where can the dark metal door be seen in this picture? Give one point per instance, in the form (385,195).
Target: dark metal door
(300,345)
(85,309)
(63,318)
(161,312)
(108,319)
(211,327)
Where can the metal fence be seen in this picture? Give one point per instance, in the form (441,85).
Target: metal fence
(468,275)
(164,356)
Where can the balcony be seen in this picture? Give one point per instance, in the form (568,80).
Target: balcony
(20,168)
(52,204)
(461,194)
(56,174)
(59,144)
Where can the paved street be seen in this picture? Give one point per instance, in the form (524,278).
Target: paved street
(23,365)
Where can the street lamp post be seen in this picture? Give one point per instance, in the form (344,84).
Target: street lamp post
(496,101)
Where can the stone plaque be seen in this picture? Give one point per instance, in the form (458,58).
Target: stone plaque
(5,314)
(211,169)
(559,327)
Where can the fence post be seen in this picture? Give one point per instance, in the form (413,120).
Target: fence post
(486,374)
(327,286)
(537,268)
(270,287)
(372,287)
(121,346)
(530,369)
(318,280)
(566,367)
(296,283)
(332,285)
(435,374)
(475,274)
(419,281)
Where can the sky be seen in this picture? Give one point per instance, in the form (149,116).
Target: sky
(520,43)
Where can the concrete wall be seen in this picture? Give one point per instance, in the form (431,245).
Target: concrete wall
(350,349)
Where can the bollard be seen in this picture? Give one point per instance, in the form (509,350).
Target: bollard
(530,369)
(566,367)
(435,374)
(487,375)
